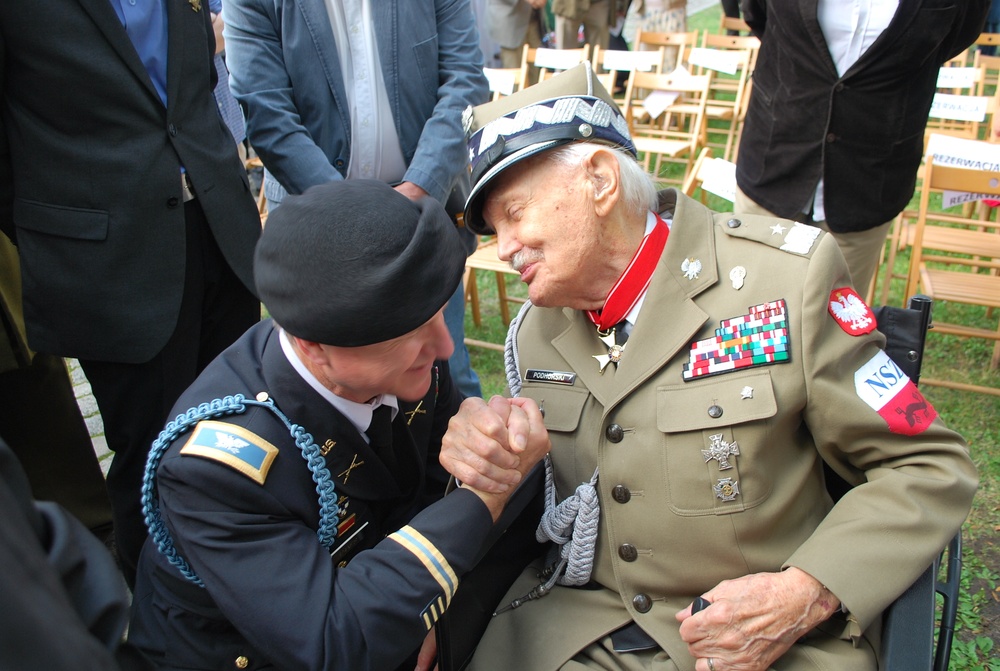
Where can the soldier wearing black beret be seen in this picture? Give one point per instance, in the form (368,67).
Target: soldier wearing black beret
(294,503)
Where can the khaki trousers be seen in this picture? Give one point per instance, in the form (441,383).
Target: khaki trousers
(601,655)
(595,28)
(511,58)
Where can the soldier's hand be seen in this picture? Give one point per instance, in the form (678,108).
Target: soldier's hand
(410,190)
(428,653)
(477,449)
(755,619)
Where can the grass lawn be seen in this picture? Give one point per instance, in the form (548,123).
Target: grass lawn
(975,416)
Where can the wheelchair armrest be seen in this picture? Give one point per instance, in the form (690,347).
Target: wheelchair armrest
(908,627)
(909,623)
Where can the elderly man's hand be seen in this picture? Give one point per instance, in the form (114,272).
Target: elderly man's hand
(489,447)
(754,620)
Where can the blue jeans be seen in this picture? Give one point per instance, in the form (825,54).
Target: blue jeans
(461,369)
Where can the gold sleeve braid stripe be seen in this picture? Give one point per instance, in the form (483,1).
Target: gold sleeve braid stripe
(432,559)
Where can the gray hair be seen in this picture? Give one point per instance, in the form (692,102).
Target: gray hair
(638,189)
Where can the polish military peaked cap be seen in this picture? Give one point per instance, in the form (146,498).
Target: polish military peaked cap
(571,106)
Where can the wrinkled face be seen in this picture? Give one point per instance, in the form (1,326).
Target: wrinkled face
(547,229)
(401,366)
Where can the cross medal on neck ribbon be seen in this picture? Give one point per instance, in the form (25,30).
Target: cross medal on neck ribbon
(626,293)
(615,350)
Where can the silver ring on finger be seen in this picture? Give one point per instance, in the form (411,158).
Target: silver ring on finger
(711,664)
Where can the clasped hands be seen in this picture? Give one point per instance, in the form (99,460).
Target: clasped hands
(490,446)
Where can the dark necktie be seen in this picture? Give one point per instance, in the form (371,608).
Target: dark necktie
(380,436)
(621,335)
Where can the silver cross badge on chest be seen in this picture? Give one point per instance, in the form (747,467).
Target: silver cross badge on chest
(720,450)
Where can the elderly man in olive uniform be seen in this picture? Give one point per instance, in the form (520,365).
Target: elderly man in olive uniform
(691,453)
(295,509)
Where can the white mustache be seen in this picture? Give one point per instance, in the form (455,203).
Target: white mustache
(524,257)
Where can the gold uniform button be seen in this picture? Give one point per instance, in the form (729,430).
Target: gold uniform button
(242,662)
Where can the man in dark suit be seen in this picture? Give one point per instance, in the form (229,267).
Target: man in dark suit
(835,126)
(130,208)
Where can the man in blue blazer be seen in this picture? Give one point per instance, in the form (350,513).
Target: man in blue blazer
(373,91)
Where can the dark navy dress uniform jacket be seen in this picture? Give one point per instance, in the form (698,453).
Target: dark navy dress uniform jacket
(273,596)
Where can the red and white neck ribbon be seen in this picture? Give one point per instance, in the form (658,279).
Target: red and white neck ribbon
(634,281)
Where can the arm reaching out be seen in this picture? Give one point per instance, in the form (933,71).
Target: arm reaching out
(490,446)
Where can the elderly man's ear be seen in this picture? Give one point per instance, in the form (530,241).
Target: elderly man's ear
(602,168)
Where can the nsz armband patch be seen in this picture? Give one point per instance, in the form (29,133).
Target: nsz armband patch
(233,446)
(882,385)
(851,312)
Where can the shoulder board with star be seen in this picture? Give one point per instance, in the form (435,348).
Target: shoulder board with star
(234,446)
(788,236)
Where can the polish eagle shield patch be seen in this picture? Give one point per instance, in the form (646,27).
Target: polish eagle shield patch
(234,446)
(851,312)
(888,391)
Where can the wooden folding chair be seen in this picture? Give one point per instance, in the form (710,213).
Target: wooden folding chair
(546,62)
(956,259)
(670,137)
(731,69)
(901,234)
(991,69)
(614,61)
(733,23)
(988,40)
(485,259)
(694,179)
(504,81)
(676,46)
(711,175)
(958,101)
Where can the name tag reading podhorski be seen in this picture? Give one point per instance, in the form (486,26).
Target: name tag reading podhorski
(550,376)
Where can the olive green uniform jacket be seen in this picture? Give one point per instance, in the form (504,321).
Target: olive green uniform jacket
(646,427)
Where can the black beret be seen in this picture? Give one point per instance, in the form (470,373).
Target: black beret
(351,263)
